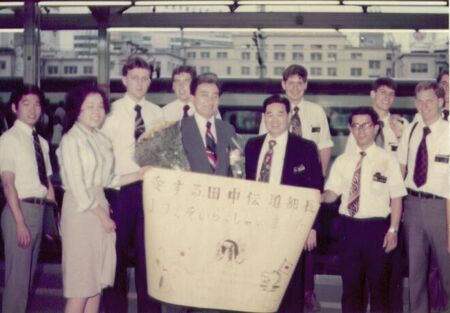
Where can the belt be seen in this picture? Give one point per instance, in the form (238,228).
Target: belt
(423,195)
(40,201)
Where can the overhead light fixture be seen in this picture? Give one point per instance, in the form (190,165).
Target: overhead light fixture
(222,30)
(11,3)
(445,31)
(375,30)
(93,3)
(410,9)
(187,3)
(390,3)
(288,2)
(143,29)
(11,30)
(299,30)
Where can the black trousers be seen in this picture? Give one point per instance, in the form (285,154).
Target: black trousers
(128,214)
(362,258)
(294,297)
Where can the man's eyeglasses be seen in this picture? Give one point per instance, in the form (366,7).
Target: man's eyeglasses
(363,126)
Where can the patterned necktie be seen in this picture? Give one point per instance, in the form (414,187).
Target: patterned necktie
(445,115)
(353,198)
(296,124)
(185,110)
(210,147)
(139,126)
(264,173)
(421,167)
(40,160)
(379,138)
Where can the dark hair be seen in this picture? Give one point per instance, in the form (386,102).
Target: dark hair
(295,69)
(438,90)
(184,69)
(276,99)
(364,111)
(75,99)
(136,62)
(206,78)
(24,90)
(441,74)
(384,81)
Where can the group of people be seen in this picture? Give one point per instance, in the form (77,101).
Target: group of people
(388,164)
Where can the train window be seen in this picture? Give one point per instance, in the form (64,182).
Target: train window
(245,120)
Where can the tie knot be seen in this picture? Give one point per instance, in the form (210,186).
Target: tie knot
(381,123)
(208,125)
(272,143)
(186,108)
(137,108)
(426,131)
(296,109)
(363,154)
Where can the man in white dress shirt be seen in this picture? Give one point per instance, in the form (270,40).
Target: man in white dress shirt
(391,125)
(371,185)
(25,169)
(130,116)
(424,157)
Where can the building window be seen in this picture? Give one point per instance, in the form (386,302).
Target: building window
(2,65)
(52,70)
(332,47)
(374,64)
(356,56)
(389,72)
(87,70)
(297,56)
(204,55)
(317,71)
(70,69)
(332,71)
(332,56)
(279,47)
(419,68)
(298,47)
(245,70)
(222,55)
(278,70)
(356,71)
(316,56)
(279,56)
(204,69)
(191,55)
(316,46)
(228,70)
(245,55)
(389,56)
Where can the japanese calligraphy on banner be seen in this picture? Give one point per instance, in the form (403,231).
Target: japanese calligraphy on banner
(223,243)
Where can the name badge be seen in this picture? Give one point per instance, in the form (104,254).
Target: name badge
(441,158)
(379,178)
(315,129)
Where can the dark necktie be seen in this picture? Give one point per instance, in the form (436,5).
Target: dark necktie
(139,126)
(40,160)
(353,198)
(264,172)
(379,138)
(421,167)
(210,147)
(296,124)
(185,110)
(445,115)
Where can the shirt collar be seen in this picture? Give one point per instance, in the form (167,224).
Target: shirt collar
(24,127)
(130,102)
(299,105)
(202,121)
(434,127)
(281,139)
(369,150)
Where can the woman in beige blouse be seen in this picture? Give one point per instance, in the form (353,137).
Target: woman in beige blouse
(88,233)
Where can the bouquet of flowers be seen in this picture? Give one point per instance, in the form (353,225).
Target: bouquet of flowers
(161,146)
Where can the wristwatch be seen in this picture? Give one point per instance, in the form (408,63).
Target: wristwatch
(392,230)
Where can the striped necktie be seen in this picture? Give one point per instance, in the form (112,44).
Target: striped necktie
(421,166)
(379,138)
(210,147)
(264,172)
(139,126)
(40,160)
(296,124)
(353,198)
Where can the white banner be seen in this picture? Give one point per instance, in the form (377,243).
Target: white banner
(223,243)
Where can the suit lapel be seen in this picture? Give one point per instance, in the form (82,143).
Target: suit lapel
(287,160)
(255,156)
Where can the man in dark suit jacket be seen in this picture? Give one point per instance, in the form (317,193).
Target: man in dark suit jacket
(282,158)
(206,140)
